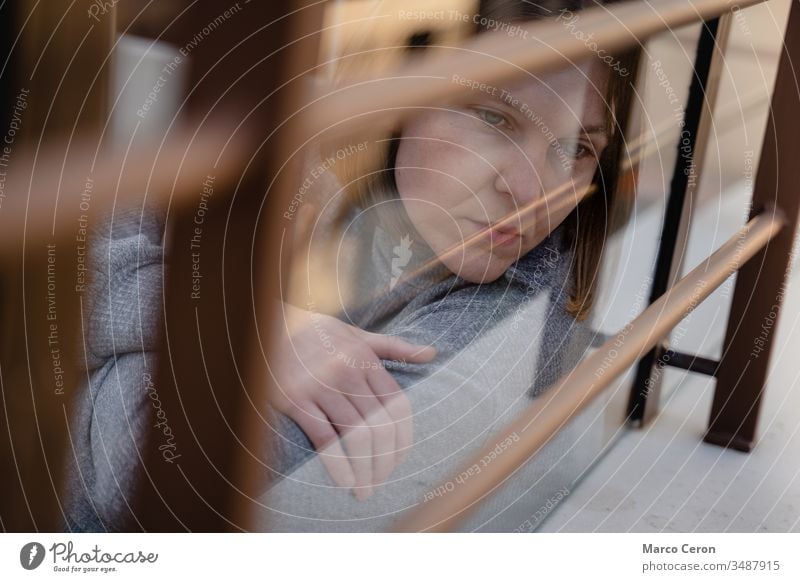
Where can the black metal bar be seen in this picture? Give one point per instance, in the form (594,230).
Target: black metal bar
(646,389)
(689,362)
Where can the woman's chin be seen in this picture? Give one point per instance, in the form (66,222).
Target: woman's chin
(480,270)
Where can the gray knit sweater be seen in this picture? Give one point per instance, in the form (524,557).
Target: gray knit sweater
(499,345)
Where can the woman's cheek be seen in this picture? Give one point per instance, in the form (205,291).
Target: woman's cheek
(553,219)
(417,166)
(437,171)
(449,145)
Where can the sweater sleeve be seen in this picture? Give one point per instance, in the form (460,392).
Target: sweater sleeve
(125,292)
(121,310)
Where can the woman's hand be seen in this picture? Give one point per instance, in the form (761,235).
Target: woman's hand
(331,382)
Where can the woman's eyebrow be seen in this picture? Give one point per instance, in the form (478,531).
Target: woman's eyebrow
(599,128)
(504,97)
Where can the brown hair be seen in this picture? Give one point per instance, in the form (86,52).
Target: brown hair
(369,178)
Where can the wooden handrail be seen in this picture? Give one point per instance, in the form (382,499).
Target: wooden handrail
(47,183)
(536,47)
(548,414)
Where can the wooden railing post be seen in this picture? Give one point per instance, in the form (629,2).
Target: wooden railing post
(244,68)
(761,284)
(55,90)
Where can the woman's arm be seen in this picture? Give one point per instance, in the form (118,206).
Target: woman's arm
(320,392)
(331,381)
(111,417)
(457,406)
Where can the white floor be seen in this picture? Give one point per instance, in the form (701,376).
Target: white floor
(663,478)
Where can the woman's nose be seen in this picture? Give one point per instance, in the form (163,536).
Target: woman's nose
(523,175)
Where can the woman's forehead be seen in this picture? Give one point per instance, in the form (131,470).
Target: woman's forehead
(577,93)
(578,81)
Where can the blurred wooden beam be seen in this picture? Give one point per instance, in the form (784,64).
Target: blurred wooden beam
(210,380)
(45,187)
(494,58)
(57,86)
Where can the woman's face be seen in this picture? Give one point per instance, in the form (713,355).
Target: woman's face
(461,170)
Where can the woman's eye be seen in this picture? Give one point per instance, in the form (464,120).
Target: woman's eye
(492,117)
(576,150)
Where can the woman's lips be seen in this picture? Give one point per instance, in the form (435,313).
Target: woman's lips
(499,237)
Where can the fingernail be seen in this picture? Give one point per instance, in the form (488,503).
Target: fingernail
(362,493)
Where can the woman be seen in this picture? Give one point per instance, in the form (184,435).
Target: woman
(458,245)
(490,263)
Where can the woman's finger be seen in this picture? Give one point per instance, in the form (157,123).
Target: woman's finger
(389,347)
(397,405)
(355,436)
(325,439)
(381,425)
(382,429)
